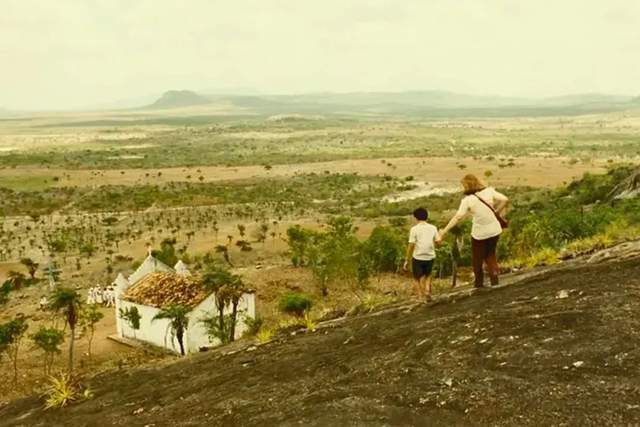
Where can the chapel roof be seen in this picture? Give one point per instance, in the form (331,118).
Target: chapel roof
(161,289)
(150,265)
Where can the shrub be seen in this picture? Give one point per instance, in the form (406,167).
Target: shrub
(265,335)
(308,322)
(295,304)
(5,289)
(217,329)
(64,390)
(132,316)
(254,325)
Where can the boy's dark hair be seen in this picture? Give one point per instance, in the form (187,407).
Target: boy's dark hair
(421,214)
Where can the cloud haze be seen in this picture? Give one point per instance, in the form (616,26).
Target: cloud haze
(73,53)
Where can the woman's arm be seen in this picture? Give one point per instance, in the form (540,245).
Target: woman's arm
(408,255)
(454,221)
(462,212)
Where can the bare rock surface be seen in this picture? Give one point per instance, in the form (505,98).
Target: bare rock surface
(513,355)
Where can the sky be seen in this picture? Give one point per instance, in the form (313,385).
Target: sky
(66,54)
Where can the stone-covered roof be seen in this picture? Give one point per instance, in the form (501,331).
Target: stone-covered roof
(165,288)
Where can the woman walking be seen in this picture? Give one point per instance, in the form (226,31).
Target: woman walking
(485,205)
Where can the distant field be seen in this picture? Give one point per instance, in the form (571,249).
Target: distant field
(67,143)
(444,171)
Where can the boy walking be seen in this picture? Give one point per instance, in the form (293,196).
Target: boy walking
(422,252)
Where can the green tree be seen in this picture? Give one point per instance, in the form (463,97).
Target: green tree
(90,316)
(335,255)
(300,240)
(385,249)
(48,340)
(68,303)
(178,322)
(11,334)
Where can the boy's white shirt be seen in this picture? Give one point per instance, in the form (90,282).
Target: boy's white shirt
(423,235)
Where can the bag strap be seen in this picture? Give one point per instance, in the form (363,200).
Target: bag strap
(489,206)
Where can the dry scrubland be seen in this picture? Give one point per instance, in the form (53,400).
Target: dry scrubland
(92,190)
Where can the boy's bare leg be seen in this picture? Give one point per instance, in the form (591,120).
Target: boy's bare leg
(427,287)
(422,285)
(417,288)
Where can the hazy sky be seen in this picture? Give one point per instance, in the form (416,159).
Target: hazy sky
(72,53)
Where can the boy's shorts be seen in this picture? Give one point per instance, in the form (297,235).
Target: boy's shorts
(421,268)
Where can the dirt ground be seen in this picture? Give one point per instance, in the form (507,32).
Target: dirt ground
(531,171)
(266,269)
(560,348)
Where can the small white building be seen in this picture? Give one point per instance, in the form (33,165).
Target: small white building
(155,285)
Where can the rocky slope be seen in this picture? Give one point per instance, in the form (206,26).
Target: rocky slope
(559,346)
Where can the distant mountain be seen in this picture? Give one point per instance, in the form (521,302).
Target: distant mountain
(431,99)
(429,103)
(179,98)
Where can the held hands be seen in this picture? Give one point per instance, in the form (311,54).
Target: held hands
(440,238)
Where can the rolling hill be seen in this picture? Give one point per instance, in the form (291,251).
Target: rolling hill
(409,103)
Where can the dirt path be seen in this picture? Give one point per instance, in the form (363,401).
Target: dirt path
(517,355)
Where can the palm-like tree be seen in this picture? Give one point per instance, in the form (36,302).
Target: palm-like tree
(16,279)
(67,302)
(232,292)
(228,289)
(31,266)
(178,316)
